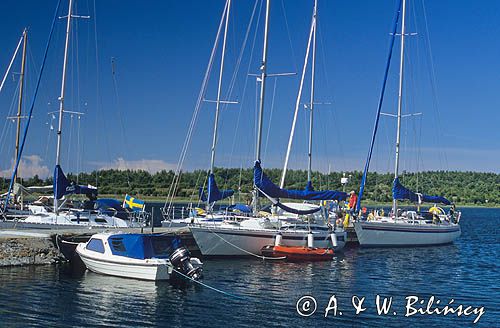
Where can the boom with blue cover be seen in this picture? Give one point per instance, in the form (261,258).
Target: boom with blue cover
(214,194)
(264,184)
(62,186)
(401,192)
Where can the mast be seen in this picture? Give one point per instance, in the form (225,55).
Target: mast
(20,103)
(61,97)
(218,101)
(297,102)
(311,105)
(262,94)
(400,103)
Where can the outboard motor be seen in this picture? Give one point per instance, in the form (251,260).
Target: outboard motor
(181,260)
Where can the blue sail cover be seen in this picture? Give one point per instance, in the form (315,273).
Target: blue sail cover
(401,192)
(62,186)
(214,194)
(270,189)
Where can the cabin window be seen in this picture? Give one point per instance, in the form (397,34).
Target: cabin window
(100,220)
(95,245)
(117,245)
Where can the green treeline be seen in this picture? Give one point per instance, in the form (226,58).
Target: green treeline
(471,188)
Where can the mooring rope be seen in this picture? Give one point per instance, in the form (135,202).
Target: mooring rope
(248,252)
(208,286)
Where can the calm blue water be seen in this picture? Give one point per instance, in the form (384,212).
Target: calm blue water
(467,271)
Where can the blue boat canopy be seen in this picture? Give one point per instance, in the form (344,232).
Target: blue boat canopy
(143,246)
(400,192)
(265,185)
(111,207)
(62,186)
(214,194)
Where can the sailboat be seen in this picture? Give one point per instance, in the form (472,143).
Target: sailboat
(212,193)
(15,209)
(400,227)
(250,236)
(58,216)
(325,195)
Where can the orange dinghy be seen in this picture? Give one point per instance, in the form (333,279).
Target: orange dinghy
(298,253)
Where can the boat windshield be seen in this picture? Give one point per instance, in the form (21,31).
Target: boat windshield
(162,246)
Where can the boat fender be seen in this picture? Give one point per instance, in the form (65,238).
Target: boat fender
(333,236)
(310,240)
(277,240)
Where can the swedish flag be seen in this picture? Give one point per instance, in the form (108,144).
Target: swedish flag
(134,204)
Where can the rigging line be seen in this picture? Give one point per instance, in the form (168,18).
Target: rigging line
(332,113)
(233,79)
(297,103)
(70,137)
(12,111)
(418,142)
(11,62)
(433,83)
(269,126)
(177,175)
(78,164)
(334,117)
(187,141)
(178,172)
(78,99)
(21,148)
(77,60)
(294,59)
(194,193)
(51,127)
(379,108)
(120,115)
(247,74)
(98,99)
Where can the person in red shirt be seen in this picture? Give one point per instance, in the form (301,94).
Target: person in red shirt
(353,199)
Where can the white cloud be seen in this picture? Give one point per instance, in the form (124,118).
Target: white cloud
(150,165)
(30,166)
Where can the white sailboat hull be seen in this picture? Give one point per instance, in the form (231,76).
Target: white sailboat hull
(127,268)
(380,234)
(71,220)
(219,241)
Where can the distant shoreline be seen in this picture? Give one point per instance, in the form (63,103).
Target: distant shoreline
(180,200)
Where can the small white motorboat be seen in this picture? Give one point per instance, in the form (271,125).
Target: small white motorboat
(139,256)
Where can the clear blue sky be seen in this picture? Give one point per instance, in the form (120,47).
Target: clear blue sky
(161,50)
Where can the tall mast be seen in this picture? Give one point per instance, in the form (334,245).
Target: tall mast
(218,101)
(297,101)
(262,94)
(61,97)
(20,103)
(400,103)
(311,105)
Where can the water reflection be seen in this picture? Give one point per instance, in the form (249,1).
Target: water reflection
(468,271)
